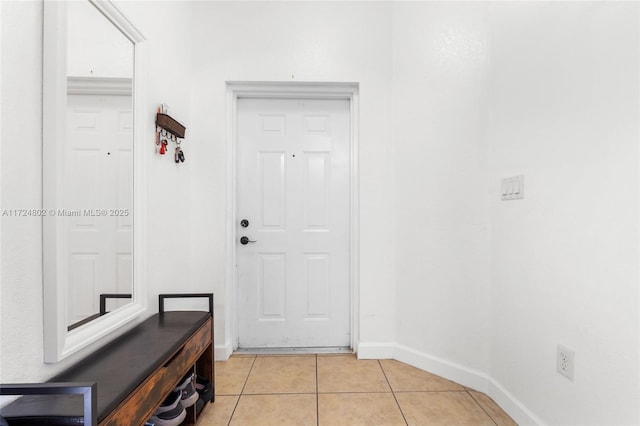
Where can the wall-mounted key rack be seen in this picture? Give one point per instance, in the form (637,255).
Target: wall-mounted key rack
(169,129)
(168,123)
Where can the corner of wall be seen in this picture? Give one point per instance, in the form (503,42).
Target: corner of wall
(375,350)
(222,352)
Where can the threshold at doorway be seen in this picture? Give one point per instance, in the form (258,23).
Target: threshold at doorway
(294,351)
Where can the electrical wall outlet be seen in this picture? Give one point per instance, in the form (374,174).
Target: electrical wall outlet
(564,361)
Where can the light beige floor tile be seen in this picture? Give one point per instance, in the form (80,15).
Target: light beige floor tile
(403,377)
(218,413)
(347,374)
(352,392)
(497,414)
(275,410)
(231,375)
(442,409)
(282,375)
(354,409)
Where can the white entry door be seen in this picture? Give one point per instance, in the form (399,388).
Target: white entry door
(293,191)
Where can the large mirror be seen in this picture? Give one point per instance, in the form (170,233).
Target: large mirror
(98,173)
(93,175)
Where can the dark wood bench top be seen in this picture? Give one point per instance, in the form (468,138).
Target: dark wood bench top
(117,368)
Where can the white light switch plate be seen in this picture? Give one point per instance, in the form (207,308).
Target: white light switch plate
(512,188)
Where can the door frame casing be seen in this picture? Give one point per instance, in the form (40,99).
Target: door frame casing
(288,90)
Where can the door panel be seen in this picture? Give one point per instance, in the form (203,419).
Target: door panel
(317,183)
(272,194)
(293,188)
(272,282)
(317,279)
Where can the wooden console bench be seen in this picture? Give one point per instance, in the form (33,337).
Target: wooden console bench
(125,381)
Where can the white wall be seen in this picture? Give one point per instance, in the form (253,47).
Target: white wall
(315,41)
(482,92)
(169,267)
(21,274)
(564,112)
(440,63)
(166,25)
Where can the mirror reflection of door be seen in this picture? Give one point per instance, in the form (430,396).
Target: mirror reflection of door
(98,172)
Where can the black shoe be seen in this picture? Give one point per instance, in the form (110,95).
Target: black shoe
(204,388)
(188,393)
(171,412)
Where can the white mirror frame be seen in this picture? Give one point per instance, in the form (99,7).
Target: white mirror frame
(58,342)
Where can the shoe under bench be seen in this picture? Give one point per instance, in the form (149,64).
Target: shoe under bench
(125,381)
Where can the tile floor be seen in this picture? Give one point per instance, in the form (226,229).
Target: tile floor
(336,390)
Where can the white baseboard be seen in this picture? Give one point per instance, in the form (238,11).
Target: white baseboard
(518,412)
(375,350)
(222,352)
(449,370)
(465,376)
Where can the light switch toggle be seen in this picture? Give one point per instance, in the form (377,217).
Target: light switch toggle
(512,188)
